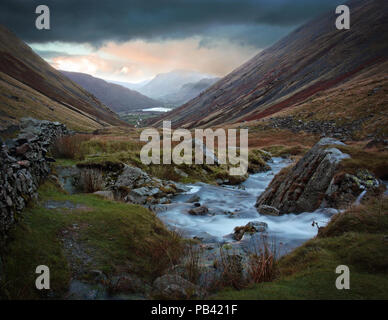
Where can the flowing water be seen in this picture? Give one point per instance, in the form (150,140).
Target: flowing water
(230,207)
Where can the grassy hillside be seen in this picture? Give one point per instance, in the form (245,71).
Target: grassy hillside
(18,100)
(312,59)
(362,97)
(118,98)
(31,74)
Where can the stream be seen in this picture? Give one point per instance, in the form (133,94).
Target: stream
(232,206)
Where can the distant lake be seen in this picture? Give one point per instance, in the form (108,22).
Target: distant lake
(161,109)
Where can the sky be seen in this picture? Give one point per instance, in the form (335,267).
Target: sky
(133,40)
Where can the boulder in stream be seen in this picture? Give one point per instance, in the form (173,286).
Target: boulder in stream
(317,181)
(303,188)
(199,211)
(250,227)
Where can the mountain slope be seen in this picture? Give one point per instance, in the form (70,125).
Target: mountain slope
(168,83)
(25,77)
(313,58)
(117,97)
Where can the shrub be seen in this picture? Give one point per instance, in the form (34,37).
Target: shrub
(69,147)
(91,180)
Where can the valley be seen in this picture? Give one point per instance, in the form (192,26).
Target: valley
(76,194)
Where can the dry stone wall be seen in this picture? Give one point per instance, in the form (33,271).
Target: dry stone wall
(23,165)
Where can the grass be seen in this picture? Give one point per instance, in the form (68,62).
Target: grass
(284,151)
(69,147)
(375,161)
(119,237)
(35,104)
(369,218)
(356,238)
(98,149)
(34,242)
(262,137)
(262,263)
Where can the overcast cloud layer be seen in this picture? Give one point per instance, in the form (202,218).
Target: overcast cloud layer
(98,21)
(133,40)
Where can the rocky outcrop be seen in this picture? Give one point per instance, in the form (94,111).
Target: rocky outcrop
(316,181)
(23,165)
(135,186)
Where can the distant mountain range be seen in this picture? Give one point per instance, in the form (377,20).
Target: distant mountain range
(167,86)
(188,91)
(173,88)
(314,58)
(29,86)
(130,85)
(116,97)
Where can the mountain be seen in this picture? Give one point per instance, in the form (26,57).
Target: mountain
(29,86)
(309,61)
(168,83)
(130,85)
(117,97)
(188,91)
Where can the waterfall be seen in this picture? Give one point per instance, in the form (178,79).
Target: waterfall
(359,198)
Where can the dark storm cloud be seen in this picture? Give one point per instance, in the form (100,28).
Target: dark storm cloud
(99,21)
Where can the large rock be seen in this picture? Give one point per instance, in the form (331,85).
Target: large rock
(136,186)
(175,287)
(106,194)
(132,177)
(304,187)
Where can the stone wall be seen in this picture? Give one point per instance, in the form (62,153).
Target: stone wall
(327,128)
(23,165)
